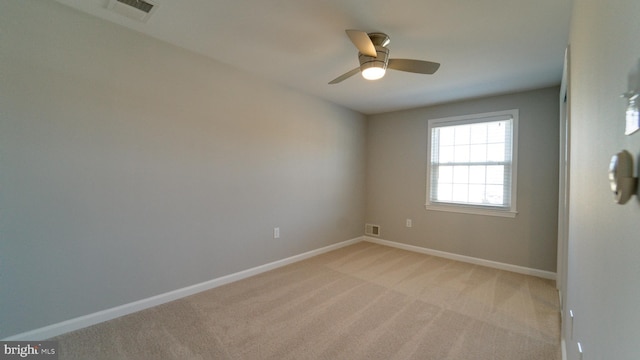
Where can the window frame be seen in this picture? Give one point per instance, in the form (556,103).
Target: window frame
(508,211)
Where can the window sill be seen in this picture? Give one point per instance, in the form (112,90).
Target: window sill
(471,210)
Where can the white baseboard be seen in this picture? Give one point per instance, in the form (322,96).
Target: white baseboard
(126,309)
(468,259)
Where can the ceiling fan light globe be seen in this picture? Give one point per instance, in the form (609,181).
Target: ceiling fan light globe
(373,68)
(373,73)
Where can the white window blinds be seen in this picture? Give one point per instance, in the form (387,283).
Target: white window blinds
(472,161)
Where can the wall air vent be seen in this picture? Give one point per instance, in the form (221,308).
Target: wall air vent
(373,230)
(140,10)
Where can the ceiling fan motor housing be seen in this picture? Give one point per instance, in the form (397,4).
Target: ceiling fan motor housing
(380,41)
(380,61)
(378,38)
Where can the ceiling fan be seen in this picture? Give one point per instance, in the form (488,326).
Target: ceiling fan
(374,58)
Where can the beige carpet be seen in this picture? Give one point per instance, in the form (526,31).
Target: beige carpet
(365,301)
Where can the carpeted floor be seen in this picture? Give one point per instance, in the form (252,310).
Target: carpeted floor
(364,301)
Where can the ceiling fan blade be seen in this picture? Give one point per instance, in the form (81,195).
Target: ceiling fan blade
(362,41)
(414,66)
(344,76)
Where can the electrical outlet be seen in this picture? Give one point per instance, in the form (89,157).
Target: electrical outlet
(409,223)
(276,232)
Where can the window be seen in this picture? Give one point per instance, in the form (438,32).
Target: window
(472,164)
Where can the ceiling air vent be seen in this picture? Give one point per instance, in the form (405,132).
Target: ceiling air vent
(140,10)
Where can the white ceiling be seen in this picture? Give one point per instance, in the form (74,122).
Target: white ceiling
(485,46)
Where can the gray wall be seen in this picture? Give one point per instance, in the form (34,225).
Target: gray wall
(604,238)
(396,183)
(130,168)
